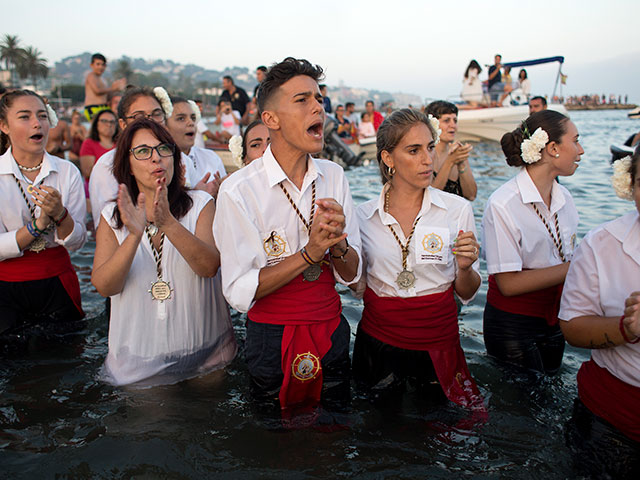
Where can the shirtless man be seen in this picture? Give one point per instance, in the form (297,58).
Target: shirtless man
(59,139)
(95,90)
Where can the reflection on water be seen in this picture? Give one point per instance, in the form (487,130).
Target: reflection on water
(58,421)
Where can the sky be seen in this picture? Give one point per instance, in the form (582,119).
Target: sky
(420,47)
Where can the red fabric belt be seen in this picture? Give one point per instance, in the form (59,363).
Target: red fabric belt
(610,398)
(543,303)
(310,313)
(51,262)
(427,323)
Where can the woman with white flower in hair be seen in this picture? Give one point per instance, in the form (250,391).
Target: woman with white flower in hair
(251,145)
(182,125)
(600,310)
(529,234)
(42,216)
(419,250)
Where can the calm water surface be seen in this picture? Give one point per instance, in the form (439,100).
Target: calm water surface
(58,421)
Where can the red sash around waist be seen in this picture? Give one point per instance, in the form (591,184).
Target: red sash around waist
(428,323)
(610,398)
(310,313)
(543,303)
(51,262)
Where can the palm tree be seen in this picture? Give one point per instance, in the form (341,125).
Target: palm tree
(11,53)
(32,65)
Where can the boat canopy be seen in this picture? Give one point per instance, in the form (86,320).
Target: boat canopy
(539,61)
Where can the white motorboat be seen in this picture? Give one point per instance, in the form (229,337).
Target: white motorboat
(481,124)
(635,113)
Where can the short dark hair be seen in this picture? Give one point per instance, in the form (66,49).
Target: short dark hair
(228,77)
(542,99)
(281,73)
(98,56)
(130,95)
(179,200)
(262,68)
(349,104)
(371,102)
(441,107)
(93,131)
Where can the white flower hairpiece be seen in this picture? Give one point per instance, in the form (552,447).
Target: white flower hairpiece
(531,147)
(53,118)
(195,109)
(235,147)
(621,178)
(435,123)
(165,102)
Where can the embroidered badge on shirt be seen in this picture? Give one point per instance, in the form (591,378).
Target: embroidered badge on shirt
(433,245)
(305,366)
(275,246)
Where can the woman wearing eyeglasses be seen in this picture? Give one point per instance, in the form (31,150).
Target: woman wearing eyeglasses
(102,138)
(156,258)
(136,103)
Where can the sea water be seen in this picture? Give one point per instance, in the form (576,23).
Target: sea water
(58,421)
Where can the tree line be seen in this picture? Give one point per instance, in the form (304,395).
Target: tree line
(22,62)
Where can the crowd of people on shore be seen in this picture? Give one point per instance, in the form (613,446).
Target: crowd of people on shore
(179,242)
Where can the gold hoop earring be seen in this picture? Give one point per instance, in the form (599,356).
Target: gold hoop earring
(391,171)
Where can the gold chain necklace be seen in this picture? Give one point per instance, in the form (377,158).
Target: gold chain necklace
(406,279)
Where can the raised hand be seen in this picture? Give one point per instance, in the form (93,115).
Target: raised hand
(211,187)
(161,212)
(133,216)
(49,200)
(327,228)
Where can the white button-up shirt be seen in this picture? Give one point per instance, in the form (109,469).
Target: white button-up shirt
(14,213)
(430,257)
(205,161)
(255,225)
(515,238)
(603,273)
(103,187)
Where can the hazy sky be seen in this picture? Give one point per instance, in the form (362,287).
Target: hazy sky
(420,47)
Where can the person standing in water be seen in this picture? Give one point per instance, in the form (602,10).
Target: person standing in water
(287,227)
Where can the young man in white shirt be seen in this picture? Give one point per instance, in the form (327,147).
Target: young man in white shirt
(282,225)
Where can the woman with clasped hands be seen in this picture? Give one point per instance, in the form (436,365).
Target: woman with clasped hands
(420,250)
(156,258)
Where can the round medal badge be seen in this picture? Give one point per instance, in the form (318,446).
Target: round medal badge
(305,366)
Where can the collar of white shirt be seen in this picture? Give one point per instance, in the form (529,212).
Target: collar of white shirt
(627,231)
(275,173)
(530,194)
(8,166)
(432,196)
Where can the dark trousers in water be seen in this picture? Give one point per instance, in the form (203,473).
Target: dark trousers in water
(599,449)
(40,304)
(522,340)
(263,354)
(385,369)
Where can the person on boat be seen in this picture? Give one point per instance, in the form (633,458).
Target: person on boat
(95,90)
(345,129)
(507,83)
(182,125)
(366,128)
(41,219)
(451,170)
(529,234)
(326,101)
(235,95)
(136,103)
(287,227)
(78,134)
(227,120)
(420,251)
(495,85)
(376,116)
(351,114)
(471,84)
(537,104)
(600,310)
(524,84)
(156,259)
(102,138)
